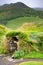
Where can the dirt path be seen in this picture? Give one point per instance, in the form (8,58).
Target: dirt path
(6,62)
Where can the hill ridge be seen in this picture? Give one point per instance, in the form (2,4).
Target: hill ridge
(16,10)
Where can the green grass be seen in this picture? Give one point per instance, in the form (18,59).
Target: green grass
(16,23)
(34,55)
(31,63)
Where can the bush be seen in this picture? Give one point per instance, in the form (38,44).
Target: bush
(12,33)
(41,43)
(24,45)
(19,54)
(2,51)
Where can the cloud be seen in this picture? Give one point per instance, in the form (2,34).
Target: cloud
(31,3)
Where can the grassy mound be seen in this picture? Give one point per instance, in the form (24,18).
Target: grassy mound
(31,63)
(30,37)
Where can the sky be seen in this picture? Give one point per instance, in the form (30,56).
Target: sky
(30,3)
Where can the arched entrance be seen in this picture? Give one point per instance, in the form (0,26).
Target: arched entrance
(13,44)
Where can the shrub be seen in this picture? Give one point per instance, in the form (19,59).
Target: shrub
(12,33)
(19,54)
(24,45)
(41,43)
(2,51)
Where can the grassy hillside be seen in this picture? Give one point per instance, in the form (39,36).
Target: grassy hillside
(16,10)
(25,23)
(30,33)
(16,23)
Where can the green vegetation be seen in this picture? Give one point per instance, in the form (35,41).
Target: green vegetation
(3,31)
(17,10)
(22,54)
(34,55)
(25,23)
(19,54)
(30,40)
(29,44)
(16,23)
(31,63)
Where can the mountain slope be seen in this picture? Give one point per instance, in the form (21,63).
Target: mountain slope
(39,9)
(16,23)
(16,10)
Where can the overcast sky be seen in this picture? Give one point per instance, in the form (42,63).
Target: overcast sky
(31,3)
